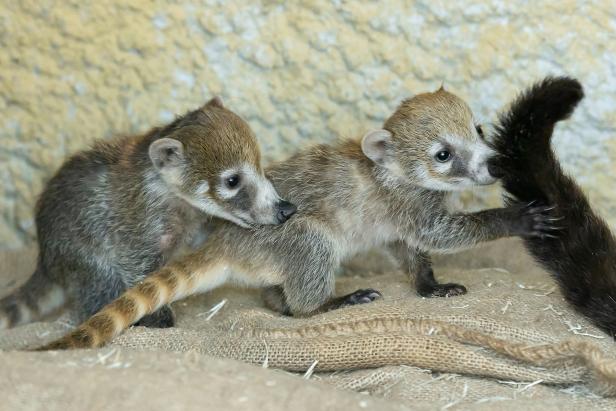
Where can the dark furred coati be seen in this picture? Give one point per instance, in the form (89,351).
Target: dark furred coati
(581,256)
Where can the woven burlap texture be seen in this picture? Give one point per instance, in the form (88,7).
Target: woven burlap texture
(511,343)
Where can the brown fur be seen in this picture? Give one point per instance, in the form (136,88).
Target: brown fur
(351,196)
(120,210)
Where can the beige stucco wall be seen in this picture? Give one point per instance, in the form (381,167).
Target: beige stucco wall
(299,72)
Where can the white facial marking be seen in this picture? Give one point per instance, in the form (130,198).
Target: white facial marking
(208,206)
(262,208)
(225,192)
(266,195)
(447,142)
(478,165)
(435,148)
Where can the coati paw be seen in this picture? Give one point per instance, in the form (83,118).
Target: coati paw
(362,296)
(442,290)
(537,221)
(163,318)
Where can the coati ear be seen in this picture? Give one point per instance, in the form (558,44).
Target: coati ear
(166,152)
(374,145)
(216,101)
(442,87)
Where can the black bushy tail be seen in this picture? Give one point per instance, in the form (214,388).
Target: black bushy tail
(582,256)
(38,297)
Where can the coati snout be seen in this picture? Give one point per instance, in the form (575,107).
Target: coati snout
(211,160)
(248,196)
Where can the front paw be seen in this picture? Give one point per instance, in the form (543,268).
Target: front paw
(442,290)
(534,220)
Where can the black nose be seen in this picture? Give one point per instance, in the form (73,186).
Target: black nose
(285,211)
(494,168)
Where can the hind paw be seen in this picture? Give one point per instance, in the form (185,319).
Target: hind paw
(362,296)
(163,318)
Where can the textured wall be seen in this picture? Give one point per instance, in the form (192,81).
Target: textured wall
(299,72)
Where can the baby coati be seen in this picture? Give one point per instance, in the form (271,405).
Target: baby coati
(388,190)
(120,210)
(581,255)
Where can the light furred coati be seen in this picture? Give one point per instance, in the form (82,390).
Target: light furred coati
(387,190)
(119,211)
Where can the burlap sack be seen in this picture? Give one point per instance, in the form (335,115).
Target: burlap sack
(511,343)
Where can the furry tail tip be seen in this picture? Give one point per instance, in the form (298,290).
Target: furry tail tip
(523,132)
(546,102)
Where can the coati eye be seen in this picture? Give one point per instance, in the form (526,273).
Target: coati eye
(232,181)
(479,130)
(443,156)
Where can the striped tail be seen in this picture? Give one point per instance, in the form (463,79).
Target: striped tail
(162,287)
(38,297)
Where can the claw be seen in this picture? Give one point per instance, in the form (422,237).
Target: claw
(362,296)
(544,235)
(536,220)
(548,227)
(540,210)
